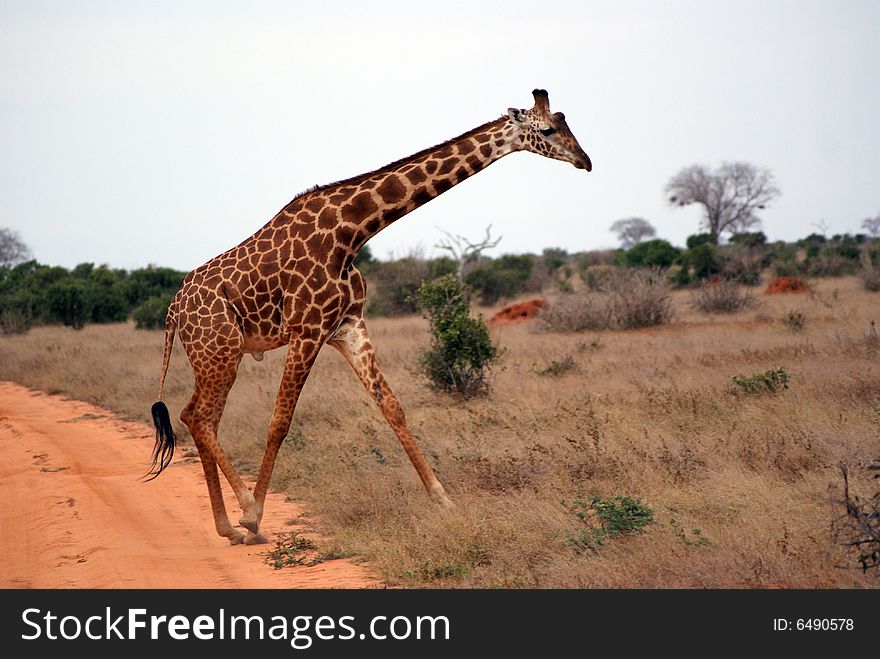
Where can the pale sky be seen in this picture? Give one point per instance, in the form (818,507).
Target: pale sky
(166,132)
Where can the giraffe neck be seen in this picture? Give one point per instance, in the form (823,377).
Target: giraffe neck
(357,209)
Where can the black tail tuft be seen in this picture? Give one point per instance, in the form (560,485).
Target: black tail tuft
(163,451)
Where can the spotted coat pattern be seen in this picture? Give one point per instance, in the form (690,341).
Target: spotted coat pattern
(293,284)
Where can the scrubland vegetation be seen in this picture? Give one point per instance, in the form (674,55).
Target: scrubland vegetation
(606,457)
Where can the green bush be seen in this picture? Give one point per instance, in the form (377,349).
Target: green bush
(70,301)
(34,294)
(150,314)
(607,517)
(839,256)
(680,277)
(749,239)
(144,283)
(441,266)
(503,277)
(702,260)
(393,284)
(364,259)
(771,381)
(461,351)
(697,239)
(553,258)
(656,253)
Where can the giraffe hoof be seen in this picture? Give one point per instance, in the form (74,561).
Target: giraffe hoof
(440,498)
(255,539)
(251,525)
(236,538)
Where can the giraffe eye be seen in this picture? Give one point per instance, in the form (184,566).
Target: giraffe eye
(547,131)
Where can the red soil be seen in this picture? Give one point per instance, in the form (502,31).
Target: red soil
(519,313)
(787,285)
(76,514)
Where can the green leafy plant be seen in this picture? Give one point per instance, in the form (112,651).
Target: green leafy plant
(151,313)
(499,278)
(292,549)
(772,381)
(656,253)
(607,517)
(461,351)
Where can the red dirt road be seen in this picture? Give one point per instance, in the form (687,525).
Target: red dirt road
(74,514)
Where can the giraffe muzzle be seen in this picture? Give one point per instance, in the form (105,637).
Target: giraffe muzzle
(584,162)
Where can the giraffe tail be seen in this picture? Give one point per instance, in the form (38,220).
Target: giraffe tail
(163,450)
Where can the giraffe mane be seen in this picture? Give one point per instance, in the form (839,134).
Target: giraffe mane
(354,180)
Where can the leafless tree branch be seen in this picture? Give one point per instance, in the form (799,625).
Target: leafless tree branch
(464,251)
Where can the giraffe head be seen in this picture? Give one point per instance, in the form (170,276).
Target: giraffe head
(547,134)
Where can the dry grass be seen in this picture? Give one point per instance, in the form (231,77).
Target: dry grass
(743,489)
(722,297)
(617,299)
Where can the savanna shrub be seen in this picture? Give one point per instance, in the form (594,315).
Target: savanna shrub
(656,253)
(870,276)
(749,239)
(722,297)
(576,312)
(703,260)
(620,299)
(70,301)
(697,239)
(393,284)
(461,351)
(772,381)
(639,298)
(499,278)
(606,517)
(150,314)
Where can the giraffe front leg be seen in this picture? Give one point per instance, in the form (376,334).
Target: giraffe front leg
(300,357)
(352,341)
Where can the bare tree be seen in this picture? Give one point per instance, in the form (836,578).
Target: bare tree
(729,195)
(12,248)
(632,231)
(465,252)
(872,225)
(822,225)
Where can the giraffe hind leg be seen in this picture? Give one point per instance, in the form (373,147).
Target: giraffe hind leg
(215,371)
(352,341)
(218,507)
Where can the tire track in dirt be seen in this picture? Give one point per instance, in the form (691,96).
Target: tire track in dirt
(76,515)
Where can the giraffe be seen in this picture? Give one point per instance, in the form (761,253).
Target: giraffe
(293,283)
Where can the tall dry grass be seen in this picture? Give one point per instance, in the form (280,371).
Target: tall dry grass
(744,489)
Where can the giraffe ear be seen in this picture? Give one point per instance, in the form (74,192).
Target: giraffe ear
(515,115)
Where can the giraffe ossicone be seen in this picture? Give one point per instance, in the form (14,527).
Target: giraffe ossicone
(293,283)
